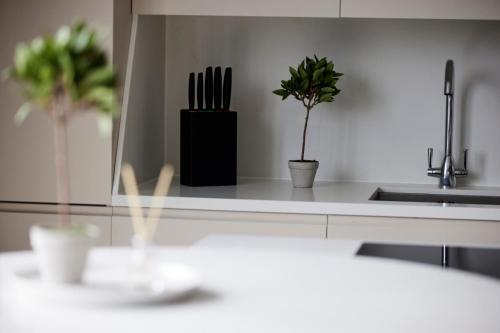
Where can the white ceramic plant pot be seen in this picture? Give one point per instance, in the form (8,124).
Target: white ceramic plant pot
(61,253)
(303,172)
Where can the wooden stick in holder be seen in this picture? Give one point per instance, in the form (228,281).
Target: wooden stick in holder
(145,229)
(161,191)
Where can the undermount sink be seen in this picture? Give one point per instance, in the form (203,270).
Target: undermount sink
(446,198)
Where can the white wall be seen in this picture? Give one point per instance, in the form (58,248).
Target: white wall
(391,108)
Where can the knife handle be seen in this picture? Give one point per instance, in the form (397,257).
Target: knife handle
(217,88)
(209,88)
(191,91)
(226,102)
(199,91)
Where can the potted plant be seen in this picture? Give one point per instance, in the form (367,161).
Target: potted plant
(312,82)
(63,75)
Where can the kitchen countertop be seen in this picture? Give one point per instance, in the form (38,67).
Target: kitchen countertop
(325,198)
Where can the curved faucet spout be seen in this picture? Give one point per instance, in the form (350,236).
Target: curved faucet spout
(447,172)
(449,78)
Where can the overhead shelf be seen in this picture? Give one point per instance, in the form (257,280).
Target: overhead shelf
(410,9)
(422,9)
(262,8)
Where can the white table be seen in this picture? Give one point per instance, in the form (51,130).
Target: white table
(276,291)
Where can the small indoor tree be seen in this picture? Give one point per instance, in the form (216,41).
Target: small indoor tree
(313,82)
(63,75)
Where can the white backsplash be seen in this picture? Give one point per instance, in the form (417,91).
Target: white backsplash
(391,107)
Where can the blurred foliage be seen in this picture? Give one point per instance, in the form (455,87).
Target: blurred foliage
(312,82)
(65,73)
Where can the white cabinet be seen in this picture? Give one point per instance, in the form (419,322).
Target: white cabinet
(185,227)
(414,230)
(422,9)
(269,8)
(14,228)
(27,159)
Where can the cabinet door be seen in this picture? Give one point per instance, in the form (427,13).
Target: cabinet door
(185,227)
(270,8)
(14,228)
(422,9)
(27,159)
(414,230)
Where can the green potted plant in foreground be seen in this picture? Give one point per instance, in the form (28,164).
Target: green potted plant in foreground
(312,82)
(63,75)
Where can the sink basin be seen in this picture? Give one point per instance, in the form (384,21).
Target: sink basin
(448,198)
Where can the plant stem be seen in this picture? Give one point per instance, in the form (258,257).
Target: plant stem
(308,108)
(62,174)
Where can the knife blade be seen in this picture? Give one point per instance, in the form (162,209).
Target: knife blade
(199,91)
(217,88)
(226,102)
(191,91)
(209,88)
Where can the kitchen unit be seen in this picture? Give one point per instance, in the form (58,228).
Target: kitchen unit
(374,136)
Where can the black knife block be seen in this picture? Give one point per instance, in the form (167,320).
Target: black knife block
(208,148)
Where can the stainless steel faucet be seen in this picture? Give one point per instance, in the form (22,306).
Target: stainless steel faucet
(447,173)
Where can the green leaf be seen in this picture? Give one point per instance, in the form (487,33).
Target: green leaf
(21,59)
(22,113)
(104,124)
(302,70)
(317,73)
(280,92)
(325,98)
(99,76)
(102,98)
(63,36)
(327,89)
(294,72)
(38,45)
(81,40)
(305,85)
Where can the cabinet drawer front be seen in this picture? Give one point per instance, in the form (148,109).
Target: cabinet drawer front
(290,8)
(14,228)
(217,215)
(423,9)
(186,231)
(411,230)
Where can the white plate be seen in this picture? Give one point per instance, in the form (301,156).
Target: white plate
(112,286)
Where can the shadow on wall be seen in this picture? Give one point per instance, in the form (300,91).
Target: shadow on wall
(488,80)
(358,96)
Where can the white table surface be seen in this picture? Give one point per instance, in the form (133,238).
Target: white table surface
(275,291)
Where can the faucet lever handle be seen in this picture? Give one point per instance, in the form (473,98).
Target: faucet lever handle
(429,157)
(433,172)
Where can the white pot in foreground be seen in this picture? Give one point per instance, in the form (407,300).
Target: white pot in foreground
(303,172)
(61,253)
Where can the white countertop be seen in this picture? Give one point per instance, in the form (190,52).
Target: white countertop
(288,244)
(273,291)
(335,198)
